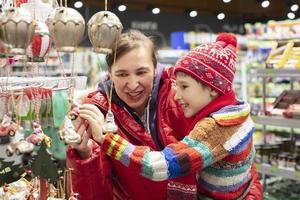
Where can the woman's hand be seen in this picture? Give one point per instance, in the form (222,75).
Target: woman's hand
(94,120)
(84,149)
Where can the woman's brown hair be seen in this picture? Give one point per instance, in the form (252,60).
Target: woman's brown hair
(128,41)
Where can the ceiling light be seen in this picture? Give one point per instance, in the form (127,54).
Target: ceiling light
(226,1)
(122,8)
(265,3)
(221,16)
(294,7)
(291,15)
(78,4)
(193,13)
(155,11)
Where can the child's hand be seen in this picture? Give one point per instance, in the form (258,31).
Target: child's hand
(95,120)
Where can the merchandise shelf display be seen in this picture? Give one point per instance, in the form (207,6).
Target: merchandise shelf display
(277,171)
(271,73)
(280,157)
(277,121)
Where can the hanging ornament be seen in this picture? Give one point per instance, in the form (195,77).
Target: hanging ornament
(67,132)
(16,30)
(41,43)
(7,126)
(19,2)
(22,105)
(2,52)
(66,26)
(109,124)
(104,29)
(39,9)
(19,147)
(38,136)
(7,4)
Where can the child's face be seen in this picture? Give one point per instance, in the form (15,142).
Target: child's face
(192,95)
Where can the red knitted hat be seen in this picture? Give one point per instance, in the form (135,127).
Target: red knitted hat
(213,63)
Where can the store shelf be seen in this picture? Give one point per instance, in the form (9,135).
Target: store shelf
(293,73)
(170,56)
(277,121)
(276,171)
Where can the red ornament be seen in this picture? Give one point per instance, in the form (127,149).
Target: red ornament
(19,2)
(41,43)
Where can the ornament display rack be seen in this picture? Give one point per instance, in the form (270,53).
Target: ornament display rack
(170,56)
(79,82)
(84,60)
(104,29)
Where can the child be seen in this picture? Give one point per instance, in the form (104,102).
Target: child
(219,147)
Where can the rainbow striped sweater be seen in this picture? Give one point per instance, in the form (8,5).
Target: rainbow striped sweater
(218,150)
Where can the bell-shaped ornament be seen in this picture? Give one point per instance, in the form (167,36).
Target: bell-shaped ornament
(41,43)
(104,29)
(109,124)
(66,27)
(16,30)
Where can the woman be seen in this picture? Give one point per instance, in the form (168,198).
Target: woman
(146,114)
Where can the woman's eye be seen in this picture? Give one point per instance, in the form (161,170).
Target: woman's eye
(141,72)
(121,75)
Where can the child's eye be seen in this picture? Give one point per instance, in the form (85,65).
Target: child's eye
(184,87)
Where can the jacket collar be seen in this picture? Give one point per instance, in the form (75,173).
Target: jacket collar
(215,105)
(232,114)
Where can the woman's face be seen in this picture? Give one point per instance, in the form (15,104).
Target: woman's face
(133,75)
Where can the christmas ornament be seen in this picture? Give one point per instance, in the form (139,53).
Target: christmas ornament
(67,132)
(66,26)
(41,43)
(22,105)
(2,53)
(104,29)
(7,126)
(20,2)
(39,9)
(109,124)
(16,30)
(38,135)
(19,147)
